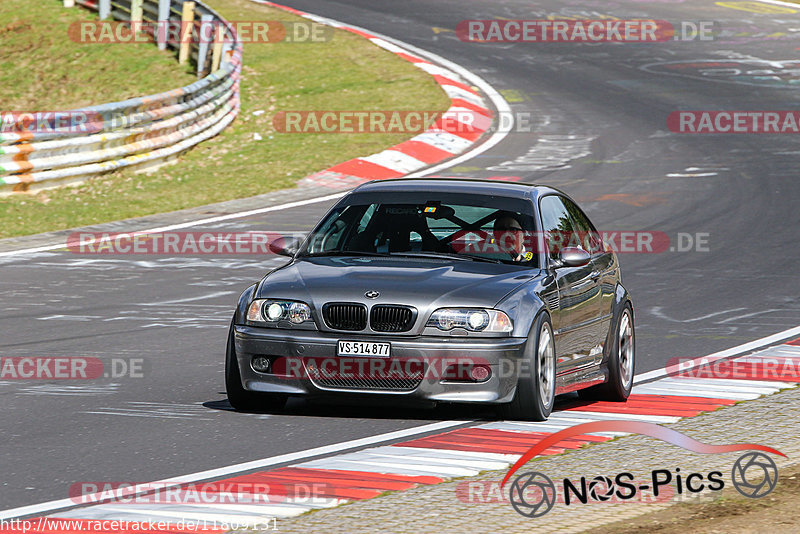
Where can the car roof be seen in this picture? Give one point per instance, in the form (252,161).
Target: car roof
(457,185)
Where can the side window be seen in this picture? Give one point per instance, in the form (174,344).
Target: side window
(586,236)
(557,225)
(329,236)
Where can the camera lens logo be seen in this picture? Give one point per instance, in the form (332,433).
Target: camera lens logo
(533,494)
(754,475)
(601,488)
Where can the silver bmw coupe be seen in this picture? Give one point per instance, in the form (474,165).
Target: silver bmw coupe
(444,290)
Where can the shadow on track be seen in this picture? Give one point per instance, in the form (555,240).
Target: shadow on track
(381,409)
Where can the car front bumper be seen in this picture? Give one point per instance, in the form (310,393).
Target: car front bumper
(502,355)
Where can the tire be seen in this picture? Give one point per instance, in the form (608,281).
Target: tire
(239,398)
(621,362)
(535,395)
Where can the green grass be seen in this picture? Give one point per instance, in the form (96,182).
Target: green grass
(346,73)
(42,69)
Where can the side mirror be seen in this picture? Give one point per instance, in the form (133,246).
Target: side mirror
(284,246)
(572,257)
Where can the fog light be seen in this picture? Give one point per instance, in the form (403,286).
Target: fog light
(480,373)
(261,364)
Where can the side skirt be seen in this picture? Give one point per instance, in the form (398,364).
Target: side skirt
(581,378)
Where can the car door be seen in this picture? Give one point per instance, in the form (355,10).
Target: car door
(604,270)
(578,305)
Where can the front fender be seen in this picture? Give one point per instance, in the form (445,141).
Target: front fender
(522,307)
(244,301)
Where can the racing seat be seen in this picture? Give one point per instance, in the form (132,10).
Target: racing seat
(391,232)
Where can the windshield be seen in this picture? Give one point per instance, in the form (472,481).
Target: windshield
(469,228)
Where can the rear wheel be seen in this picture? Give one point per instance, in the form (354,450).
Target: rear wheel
(536,388)
(621,362)
(241,399)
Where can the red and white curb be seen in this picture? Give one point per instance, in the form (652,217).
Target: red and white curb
(461,452)
(460,128)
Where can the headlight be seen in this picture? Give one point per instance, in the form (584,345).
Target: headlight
(474,320)
(273,312)
(270,311)
(299,313)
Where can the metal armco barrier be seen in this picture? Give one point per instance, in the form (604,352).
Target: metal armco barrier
(140,132)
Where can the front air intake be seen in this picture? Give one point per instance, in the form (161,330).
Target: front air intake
(390,318)
(345,316)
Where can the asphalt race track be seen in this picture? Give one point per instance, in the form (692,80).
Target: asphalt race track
(599,132)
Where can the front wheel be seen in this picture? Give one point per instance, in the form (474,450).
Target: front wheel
(536,388)
(240,399)
(621,362)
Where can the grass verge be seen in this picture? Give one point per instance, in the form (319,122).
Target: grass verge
(345,73)
(42,69)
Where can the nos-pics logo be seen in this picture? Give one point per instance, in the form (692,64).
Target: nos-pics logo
(533,494)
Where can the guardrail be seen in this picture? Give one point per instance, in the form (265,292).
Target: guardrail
(140,132)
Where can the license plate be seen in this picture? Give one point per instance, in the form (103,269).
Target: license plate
(364,348)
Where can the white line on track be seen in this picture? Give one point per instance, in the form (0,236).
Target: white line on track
(189,224)
(779,3)
(190,299)
(238,468)
(500,104)
(371,440)
(498,136)
(734,351)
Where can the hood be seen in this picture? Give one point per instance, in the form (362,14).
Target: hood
(424,284)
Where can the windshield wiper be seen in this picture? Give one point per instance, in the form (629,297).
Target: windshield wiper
(447,255)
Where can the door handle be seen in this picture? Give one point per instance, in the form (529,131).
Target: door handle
(595,276)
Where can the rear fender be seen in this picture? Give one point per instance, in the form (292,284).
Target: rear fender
(621,297)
